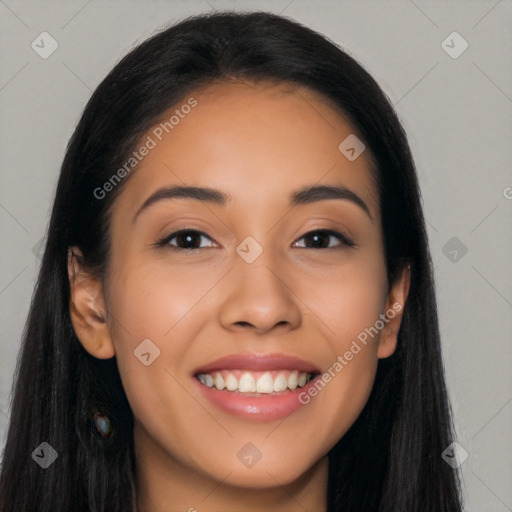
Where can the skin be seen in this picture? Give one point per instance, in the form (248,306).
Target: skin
(259,143)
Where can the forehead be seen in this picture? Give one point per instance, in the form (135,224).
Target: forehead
(252,140)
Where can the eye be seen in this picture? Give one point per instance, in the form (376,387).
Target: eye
(187,237)
(318,238)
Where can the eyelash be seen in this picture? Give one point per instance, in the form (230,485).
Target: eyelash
(164,241)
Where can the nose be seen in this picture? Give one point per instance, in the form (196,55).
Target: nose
(259,297)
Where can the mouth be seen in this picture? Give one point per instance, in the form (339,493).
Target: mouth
(256,387)
(251,382)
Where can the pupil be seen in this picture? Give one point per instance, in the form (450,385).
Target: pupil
(187,237)
(317,240)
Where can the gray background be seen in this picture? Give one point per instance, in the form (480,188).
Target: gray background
(456,111)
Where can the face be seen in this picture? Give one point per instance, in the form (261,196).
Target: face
(257,287)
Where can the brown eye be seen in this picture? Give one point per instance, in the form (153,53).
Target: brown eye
(186,240)
(319,239)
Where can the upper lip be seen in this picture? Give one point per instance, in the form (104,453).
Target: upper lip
(258,362)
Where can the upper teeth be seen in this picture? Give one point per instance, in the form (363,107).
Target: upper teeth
(255,382)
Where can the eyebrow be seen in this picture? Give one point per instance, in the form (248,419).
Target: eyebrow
(306,195)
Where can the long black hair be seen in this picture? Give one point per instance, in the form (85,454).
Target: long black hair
(390,459)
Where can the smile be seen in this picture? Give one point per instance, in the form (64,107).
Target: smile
(256,387)
(245,381)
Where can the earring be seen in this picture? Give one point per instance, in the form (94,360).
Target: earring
(103,425)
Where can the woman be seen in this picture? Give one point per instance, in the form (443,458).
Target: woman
(291,363)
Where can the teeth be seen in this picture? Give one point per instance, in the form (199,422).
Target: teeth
(257,382)
(265,384)
(231,382)
(280,384)
(218,381)
(293,380)
(206,379)
(247,384)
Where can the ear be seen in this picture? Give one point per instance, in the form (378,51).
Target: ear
(87,308)
(394,310)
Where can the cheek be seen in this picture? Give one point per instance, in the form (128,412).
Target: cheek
(347,302)
(347,309)
(151,301)
(342,392)
(154,315)
(148,303)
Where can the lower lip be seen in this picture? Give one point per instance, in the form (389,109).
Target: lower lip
(262,407)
